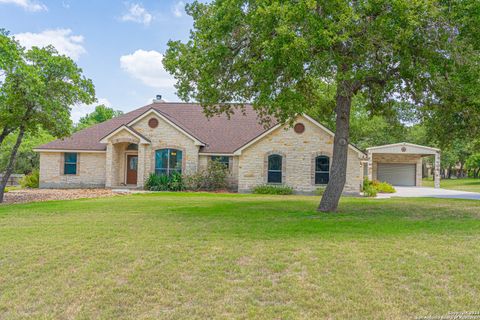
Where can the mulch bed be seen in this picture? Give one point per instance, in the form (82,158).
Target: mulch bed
(37,195)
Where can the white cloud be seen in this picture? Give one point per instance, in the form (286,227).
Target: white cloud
(147,67)
(27,5)
(62,39)
(178,9)
(137,13)
(81,110)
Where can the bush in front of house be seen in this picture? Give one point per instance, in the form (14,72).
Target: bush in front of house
(273,189)
(211,179)
(31,180)
(371,188)
(320,191)
(173,182)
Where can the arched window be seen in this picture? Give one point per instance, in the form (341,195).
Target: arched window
(322,169)
(168,161)
(274,168)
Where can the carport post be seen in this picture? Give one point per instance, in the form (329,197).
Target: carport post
(369,165)
(436,173)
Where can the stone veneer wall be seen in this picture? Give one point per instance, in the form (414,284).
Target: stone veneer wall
(398,158)
(165,136)
(299,152)
(90,171)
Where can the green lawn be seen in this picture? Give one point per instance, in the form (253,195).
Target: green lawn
(467,184)
(202,256)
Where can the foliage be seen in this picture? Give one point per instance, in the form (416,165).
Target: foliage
(101,114)
(12,188)
(288,57)
(173,182)
(369,191)
(371,188)
(27,159)
(213,178)
(39,87)
(473,164)
(272,189)
(31,180)
(319,191)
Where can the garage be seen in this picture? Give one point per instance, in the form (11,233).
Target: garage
(397,174)
(400,164)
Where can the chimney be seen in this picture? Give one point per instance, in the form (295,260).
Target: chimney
(158,99)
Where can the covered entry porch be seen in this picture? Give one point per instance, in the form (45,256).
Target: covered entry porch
(125,158)
(400,164)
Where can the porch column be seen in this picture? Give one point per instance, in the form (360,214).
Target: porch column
(370,166)
(436,172)
(141,165)
(109,166)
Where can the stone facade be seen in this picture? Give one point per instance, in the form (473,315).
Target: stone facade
(398,158)
(90,171)
(248,168)
(297,152)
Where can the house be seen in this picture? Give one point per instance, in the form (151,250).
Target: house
(166,137)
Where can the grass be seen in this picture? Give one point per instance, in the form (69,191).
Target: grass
(464,184)
(203,256)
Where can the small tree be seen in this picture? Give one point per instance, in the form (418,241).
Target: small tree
(473,164)
(39,89)
(287,56)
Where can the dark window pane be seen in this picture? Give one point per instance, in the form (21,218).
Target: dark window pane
(274,176)
(132,146)
(222,159)
(161,159)
(70,168)
(321,177)
(70,157)
(322,163)
(168,161)
(275,162)
(70,163)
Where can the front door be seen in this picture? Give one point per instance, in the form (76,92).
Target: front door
(132,165)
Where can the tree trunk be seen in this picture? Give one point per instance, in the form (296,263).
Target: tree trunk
(4,134)
(338,170)
(11,163)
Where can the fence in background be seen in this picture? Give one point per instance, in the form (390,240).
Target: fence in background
(14,179)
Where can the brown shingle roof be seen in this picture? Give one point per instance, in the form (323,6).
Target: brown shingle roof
(220,134)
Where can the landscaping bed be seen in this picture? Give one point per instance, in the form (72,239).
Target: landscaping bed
(37,195)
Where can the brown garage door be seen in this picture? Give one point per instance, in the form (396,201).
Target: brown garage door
(397,174)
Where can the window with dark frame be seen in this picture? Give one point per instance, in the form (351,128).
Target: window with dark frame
(225,160)
(70,163)
(322,169)
(168,161)
(274,168)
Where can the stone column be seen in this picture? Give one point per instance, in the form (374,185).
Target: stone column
(370,166)
(141,165)
(436,170)
(109,166)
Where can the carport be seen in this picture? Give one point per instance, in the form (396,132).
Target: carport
(400,164)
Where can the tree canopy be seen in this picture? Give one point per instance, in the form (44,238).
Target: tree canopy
(285,57)
(99,115)
(37,93)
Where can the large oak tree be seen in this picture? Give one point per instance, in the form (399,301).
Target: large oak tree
(282,56)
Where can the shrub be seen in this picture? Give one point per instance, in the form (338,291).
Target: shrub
(320,191)
(213,178)
(374,187)
(369,191)
(173,182)
(31,180)
(384,187)
(272,189)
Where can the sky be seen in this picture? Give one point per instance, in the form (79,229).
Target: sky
(118,44)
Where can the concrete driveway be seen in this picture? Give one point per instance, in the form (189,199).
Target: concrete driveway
(408,192)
